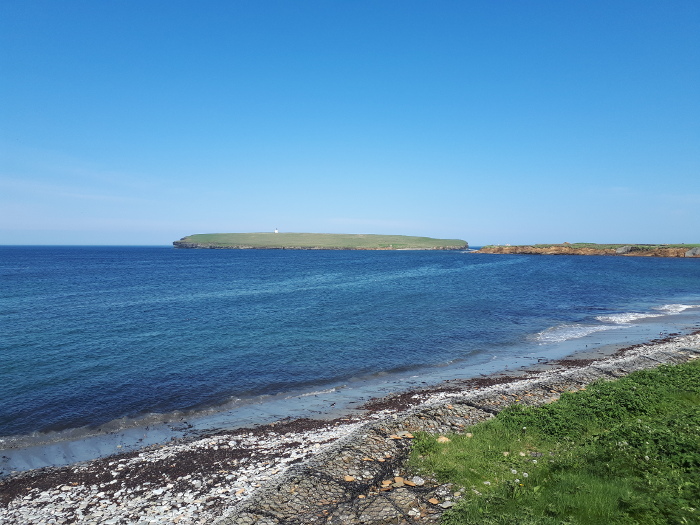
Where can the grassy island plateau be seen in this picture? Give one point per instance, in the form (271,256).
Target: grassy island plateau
(588,248)
(316,241)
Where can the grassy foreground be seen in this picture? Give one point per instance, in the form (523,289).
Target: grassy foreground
(328,241)
(621,452)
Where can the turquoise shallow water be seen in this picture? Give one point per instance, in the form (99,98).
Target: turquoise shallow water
(102,336)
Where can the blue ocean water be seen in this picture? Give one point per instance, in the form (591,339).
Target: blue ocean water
(96,334)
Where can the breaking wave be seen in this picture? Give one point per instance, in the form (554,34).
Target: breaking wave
(625,318)
(676,308)
(630,317)
(565,332)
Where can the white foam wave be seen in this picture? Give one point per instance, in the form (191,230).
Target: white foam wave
(675,308)
(561,333)
(316,393)
(629,317)
(625,318)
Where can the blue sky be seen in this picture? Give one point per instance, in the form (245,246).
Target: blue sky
(131,122)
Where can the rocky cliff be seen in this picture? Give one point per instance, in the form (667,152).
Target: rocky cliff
(627,251)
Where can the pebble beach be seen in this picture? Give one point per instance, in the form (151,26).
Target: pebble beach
(345,470)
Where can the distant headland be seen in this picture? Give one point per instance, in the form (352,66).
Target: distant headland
(587,248)
(316,241)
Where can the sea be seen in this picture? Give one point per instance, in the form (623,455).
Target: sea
(105,349)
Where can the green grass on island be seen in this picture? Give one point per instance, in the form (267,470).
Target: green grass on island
(618,452)
(328,241)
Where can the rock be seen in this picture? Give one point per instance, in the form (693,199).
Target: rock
(623,250)
(349,478)
(443,439)
(418,481)
(434,501)
(693,252)
(443,491)
(447,504)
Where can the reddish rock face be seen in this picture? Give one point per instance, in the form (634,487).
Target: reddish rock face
(568,250)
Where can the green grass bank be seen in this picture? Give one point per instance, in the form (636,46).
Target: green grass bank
(619,452)
(317,241)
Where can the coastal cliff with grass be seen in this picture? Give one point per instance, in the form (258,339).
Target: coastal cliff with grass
(316,241)
(588,248)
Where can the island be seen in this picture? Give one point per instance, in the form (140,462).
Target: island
(316,241)
(587,248)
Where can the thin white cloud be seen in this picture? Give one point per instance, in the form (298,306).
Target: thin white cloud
(31,187)
(46,164)
(97,197)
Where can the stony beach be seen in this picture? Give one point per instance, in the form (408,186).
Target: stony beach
(347,470)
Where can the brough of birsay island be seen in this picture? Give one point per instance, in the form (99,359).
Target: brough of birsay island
(317,241)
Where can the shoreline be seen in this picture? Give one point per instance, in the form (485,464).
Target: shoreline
(203,479)
(344,397)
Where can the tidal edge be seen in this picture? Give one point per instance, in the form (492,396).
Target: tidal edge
(308,471)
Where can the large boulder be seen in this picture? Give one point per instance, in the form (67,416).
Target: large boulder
(624,249)
(693,252)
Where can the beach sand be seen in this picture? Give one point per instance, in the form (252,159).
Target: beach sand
(308,470)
